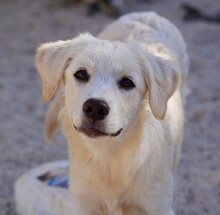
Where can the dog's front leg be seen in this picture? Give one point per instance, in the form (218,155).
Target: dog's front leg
(84,209)
(86,206)
(89,209)
(117,211)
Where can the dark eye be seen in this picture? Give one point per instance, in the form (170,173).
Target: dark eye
(126,83)
(82,75)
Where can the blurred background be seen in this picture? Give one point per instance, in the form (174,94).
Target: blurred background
(25,24)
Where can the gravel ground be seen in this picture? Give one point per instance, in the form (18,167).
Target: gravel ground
(25,24)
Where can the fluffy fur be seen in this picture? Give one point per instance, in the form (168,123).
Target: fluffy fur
(132,173)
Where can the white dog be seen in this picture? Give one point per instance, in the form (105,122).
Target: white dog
(121,112)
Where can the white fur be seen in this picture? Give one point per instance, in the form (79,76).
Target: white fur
(132,173)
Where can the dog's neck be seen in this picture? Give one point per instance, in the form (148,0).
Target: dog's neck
(106,147)
(105,153)
(111,162)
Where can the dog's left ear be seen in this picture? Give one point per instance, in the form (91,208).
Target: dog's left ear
(162,79)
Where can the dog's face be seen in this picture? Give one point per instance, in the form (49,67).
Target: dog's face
(104,87)
(105,83)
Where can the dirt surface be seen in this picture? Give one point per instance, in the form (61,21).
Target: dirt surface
(25,24)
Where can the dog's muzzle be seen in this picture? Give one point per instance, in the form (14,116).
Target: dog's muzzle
(95,111)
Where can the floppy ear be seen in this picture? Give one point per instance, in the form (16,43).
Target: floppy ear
(162,79)
(161,74)
(51,61)
(51,119)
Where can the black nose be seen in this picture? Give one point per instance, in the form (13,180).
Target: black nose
(95,109)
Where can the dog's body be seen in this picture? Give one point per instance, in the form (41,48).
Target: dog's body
(122,114)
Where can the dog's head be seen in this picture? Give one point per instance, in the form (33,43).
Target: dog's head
(105,83)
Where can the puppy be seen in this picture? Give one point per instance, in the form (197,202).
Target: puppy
(121,110)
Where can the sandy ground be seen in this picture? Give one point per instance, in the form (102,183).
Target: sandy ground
(25,24)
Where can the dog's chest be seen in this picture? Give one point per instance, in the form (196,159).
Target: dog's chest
(111,181)
(110,175)
(115,189)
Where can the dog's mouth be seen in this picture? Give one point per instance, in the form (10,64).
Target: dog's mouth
(93,132)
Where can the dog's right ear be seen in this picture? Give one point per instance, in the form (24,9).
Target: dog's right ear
(51,61)
(52,116)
